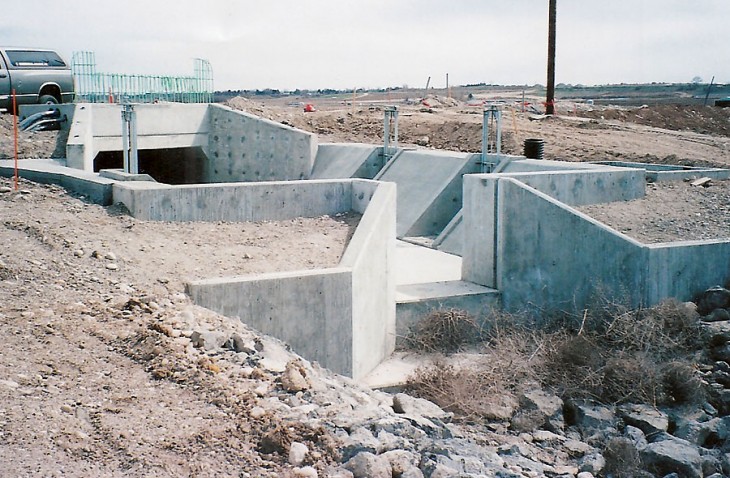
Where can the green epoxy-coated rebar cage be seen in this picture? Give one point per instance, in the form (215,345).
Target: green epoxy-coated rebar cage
(94,87)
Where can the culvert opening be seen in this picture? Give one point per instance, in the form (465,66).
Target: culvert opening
(166,165)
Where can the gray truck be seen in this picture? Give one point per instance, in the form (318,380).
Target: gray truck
(37,75)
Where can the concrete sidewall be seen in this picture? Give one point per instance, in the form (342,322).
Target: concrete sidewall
(544,255)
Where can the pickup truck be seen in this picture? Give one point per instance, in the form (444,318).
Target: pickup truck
(38,76)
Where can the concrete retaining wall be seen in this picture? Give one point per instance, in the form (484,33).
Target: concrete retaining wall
(669,172)
(371,257)
(309,310)
(584,187)
(343,317)
(544,255)
(234,202)
(244,147)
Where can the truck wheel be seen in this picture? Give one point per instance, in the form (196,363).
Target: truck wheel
(47,100)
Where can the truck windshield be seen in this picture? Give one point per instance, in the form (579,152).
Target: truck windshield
(34,58)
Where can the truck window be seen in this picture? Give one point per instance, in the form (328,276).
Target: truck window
(26,58)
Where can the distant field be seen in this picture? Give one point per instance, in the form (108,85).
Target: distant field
(630,95)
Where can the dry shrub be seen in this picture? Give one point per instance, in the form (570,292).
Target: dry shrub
(610,354)
(622,355)
(467,392)
(682,383)
(486,388)
(622,458)
(662,331)
(631,378)
(446,330)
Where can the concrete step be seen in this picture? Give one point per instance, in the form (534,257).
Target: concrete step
(416,301)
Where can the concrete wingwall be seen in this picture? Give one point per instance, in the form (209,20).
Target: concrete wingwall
(371,257)
(234,201)
(429,188)
(309,310)
(342,317)
(347,160)
(544,255)
(244,147)
(571,183)
(583,187)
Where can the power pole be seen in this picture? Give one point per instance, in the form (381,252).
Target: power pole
(550,101)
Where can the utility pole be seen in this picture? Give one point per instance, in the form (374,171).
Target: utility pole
(550,101)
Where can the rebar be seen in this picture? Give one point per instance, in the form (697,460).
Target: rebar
(96,87)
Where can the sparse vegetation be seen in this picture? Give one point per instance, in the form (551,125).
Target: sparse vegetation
(444,331)
(611,354)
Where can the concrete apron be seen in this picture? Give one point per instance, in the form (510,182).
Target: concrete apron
(426,280)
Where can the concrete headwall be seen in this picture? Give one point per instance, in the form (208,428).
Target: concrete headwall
(98,127)
(234,201)
(343,317)
(544,255)
(244,147)
(239,146)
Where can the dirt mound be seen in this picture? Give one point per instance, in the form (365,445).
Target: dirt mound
(700,119)
(31,145)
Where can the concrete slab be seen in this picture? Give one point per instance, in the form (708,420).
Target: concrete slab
(342,161)
(394,371)
(90,185)
(429,188)
(439,290)
(417,265)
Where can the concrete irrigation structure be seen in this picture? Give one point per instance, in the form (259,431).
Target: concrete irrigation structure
(435,231)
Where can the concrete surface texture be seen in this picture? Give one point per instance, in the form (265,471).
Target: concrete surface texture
(234,202)
(95,188)
(244,147)
(429,188)
(98,127)
(343,317)
(238,146)
(543,255)
(341,161)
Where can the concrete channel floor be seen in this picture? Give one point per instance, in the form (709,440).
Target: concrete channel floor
(421,274)
(420,265)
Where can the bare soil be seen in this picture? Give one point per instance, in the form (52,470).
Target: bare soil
(663,134)
(671,211)
(96,377)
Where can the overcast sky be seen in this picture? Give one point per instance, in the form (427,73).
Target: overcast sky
(289,44)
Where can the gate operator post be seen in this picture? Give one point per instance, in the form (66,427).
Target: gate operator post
(390,116)
(493,115)
(129,139)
